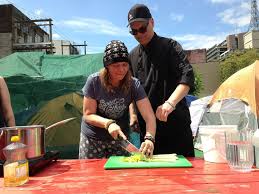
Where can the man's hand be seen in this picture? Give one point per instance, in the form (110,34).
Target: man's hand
(163,111)
(147,148)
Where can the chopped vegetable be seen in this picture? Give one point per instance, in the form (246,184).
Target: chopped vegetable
(138,157)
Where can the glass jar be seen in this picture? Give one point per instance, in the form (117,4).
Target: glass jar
(16,168)
(256,147)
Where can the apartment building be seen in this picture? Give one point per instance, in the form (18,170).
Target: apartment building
(64,47)
(20,33)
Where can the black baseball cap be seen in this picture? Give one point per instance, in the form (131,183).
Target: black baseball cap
(139,12)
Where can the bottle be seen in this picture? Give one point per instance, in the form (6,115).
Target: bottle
(16,168)
(256,147)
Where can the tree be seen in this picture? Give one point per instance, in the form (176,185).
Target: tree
(236,61)
(198,84)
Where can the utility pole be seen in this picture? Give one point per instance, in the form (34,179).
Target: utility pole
(85,46)
(50,35)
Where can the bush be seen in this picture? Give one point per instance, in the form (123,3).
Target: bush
(198,84)
(236,61)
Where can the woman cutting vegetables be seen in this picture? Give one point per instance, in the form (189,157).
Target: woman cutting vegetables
(107,96)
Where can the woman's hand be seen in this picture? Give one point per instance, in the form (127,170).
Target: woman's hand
(147,148)
(163,111)
(115,131)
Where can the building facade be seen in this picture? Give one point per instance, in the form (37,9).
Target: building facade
(196,56)
(213,53)
(19,33)
(210,76)
(220,51)
(64,47)
(251,39)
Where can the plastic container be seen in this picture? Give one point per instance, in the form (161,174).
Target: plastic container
(255,142)
(16,169)
(239,150)
(213,142)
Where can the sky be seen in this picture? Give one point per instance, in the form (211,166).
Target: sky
(196,24)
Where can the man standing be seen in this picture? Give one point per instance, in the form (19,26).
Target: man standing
(167,76)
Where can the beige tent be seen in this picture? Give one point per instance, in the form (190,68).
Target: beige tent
(235,102)
(243,85)
(63,107)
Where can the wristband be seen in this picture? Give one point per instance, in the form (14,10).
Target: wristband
(107,125)
(150,137)
(170,104)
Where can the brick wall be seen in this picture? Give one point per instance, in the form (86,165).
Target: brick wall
(196,56)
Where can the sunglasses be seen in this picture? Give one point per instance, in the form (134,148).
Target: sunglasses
(142,30)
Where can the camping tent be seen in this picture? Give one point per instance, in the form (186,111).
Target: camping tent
(60,108)
(235,102)
(190,98)
(64,138)
(242,85)
(197,109)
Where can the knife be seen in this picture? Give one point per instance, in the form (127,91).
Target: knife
(125,144)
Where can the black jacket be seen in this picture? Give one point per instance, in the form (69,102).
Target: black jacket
(170,68)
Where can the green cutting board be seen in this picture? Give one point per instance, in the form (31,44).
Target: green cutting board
(116,162)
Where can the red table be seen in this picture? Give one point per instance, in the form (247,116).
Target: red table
(89,176)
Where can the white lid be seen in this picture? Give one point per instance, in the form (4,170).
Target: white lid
(209,129)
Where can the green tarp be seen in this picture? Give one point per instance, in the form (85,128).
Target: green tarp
(33,78)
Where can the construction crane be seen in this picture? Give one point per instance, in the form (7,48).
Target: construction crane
(254,21)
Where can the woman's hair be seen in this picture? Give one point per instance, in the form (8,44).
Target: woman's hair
(125,84)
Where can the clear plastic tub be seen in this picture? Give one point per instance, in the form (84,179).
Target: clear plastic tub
(213,142)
